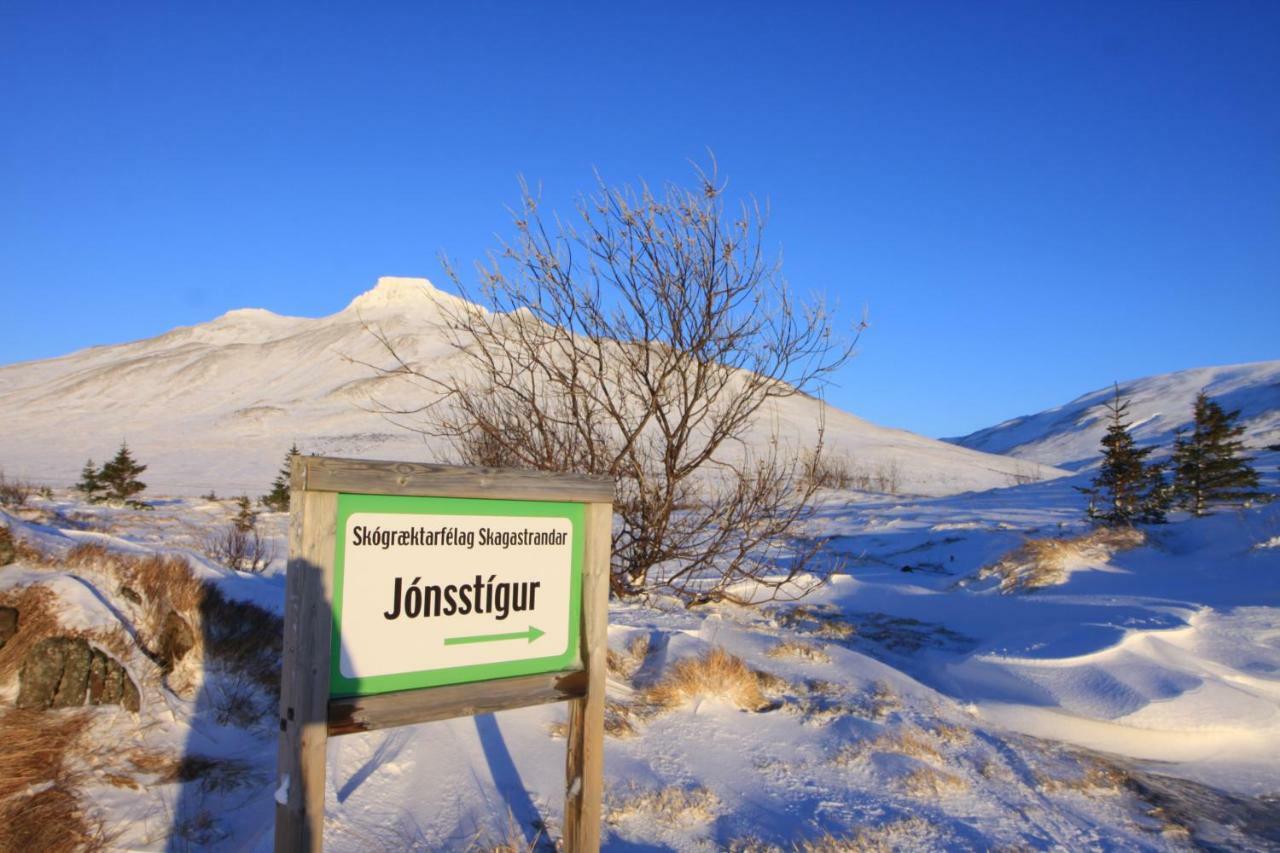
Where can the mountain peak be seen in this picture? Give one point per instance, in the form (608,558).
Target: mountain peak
(401,293)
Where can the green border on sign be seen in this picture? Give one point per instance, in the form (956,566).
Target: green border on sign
(568,658)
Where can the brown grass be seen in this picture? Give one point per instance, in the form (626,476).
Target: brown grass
(1098,777)
(36,607)
(623,665)
(912,743)
(52,818)
(671,806)
(242,636)
(930,782)
(715,674)
(619,721)
(911,833)
(797,649)
(1039,563)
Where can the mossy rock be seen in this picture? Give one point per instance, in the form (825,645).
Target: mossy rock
(67,672)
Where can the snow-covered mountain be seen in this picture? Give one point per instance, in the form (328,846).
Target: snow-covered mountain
(216,405)
(1068,436)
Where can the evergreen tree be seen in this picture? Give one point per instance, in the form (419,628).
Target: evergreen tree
(89,483)
(1209,467)
(246,519)
(277,499)
(119,477)
(1126,488)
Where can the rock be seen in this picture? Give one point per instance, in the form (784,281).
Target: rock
(176,640)
(66,672)
(8,624)
(8,553)
(109,684)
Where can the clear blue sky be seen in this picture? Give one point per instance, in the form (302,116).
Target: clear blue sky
(1033,199)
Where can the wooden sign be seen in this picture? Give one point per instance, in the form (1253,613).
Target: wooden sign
(424,592)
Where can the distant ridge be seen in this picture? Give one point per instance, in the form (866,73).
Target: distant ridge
(1068,436)
(216,405)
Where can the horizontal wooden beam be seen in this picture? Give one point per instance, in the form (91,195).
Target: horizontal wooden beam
(386,710)
(374,477)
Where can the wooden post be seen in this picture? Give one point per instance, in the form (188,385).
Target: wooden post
(304,690)
(584,766)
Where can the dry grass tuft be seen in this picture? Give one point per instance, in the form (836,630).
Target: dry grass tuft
(619,721)
(1098,777)
(1039,563)
(37,620)
(796,649)
(671,806)
(715,674)
(911,833)
(39,806)
(952,735)
(930,782)
(880,702)
(623,665)
(912,743)
(241,636)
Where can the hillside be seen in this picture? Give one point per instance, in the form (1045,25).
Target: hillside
(216,405)
(1068,436)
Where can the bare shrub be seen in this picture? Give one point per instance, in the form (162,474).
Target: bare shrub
(15,493)
(827,470)
(1039,563)
(645,343)
(239,548)
(715,674)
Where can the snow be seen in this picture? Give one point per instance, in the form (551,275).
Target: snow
(1067,436)
(217,405)
(954,715)
(1133,704)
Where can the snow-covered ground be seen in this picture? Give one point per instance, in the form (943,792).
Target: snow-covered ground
(1127,698)
(908,703)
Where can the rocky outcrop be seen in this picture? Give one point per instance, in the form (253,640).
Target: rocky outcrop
(66,672)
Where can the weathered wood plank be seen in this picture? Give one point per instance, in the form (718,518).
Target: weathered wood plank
(373,477)
(386,710)
(304,693)
(584,763)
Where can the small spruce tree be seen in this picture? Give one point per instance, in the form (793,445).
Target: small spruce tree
(1209,465)
(277,499)
(246,519)
(90,483)
(1126,488)
(119,477)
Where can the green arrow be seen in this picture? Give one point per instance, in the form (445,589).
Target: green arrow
(532,634)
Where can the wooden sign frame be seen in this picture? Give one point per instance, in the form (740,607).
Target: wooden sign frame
(308,716)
